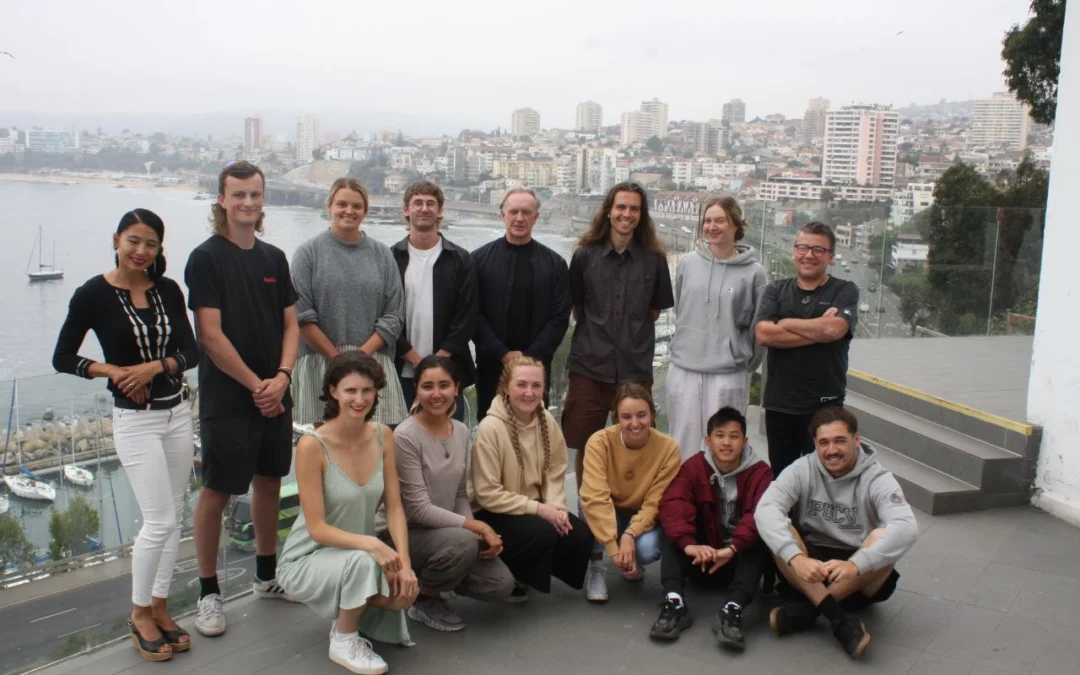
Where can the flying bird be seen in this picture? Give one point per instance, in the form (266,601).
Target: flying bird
(900,32)
(9,54)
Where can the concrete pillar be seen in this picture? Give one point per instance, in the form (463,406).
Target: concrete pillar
(1054,386)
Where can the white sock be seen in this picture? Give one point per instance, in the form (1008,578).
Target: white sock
(674,596)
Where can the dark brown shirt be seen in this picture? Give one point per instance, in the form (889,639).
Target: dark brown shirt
(614,339)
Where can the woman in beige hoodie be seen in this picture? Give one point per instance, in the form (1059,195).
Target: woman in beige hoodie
(518,468)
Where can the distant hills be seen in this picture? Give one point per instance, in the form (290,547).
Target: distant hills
(941,110)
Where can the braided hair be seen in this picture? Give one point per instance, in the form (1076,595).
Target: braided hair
(541,421)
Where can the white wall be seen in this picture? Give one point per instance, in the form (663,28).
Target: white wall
(1054,388)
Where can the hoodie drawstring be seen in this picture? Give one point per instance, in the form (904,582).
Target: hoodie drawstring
(708,288)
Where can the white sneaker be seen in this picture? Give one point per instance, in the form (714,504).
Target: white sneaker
(269,589)
(355,654)
(596,582)
(211,619)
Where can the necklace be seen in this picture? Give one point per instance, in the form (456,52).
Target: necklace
(434,433)
(813,292)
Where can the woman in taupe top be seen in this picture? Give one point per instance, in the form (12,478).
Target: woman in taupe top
(450,550)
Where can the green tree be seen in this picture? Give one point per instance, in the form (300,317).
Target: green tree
(400,142)
(317,154)
(15,548)
(70,527)
(1032,55)
(655,144)
(880,247)
(827,195)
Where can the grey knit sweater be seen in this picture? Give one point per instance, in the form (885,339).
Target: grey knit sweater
(350,290)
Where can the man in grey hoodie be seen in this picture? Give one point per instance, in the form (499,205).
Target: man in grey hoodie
(852,524)
(717,290)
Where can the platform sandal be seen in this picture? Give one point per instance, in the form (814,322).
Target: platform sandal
(173,638)
(149,650)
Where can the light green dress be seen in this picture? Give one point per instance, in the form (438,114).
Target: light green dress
(325,578)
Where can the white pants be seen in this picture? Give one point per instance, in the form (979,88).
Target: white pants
(692,398)
(155,447)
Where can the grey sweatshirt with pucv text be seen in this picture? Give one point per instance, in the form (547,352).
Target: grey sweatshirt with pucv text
(838,512)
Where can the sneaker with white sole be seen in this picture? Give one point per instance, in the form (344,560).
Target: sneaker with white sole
(596,582)
(269,590)
(211,618)
(355,654)
(433,612)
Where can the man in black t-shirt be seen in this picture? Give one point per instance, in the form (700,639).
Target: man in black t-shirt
(807,323)
(241,292)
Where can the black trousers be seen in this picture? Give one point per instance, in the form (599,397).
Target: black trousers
(535,552)
(741,576)
(789,438)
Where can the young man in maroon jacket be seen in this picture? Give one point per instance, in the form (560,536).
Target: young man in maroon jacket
(707,515)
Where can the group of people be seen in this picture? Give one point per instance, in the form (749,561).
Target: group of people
(372,344)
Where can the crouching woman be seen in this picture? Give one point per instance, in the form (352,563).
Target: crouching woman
(333,561)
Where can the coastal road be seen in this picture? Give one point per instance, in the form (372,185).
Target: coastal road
(34,630)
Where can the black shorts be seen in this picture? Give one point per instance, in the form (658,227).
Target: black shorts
(236,448)
(857,600)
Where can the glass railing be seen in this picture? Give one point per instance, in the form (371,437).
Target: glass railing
(68,523)
(942,272)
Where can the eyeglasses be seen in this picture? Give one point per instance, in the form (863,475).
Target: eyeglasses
(818,251)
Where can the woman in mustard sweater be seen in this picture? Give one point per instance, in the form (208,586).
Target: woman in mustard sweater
(628,467)
(518,471)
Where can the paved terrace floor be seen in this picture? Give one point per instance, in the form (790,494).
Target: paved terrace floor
(986,373)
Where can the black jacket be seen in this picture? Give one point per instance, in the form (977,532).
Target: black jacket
(551,302)
(455,306)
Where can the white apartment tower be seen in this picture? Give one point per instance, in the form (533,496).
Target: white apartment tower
(813,126)
(734,111)
(860,146)
(657,110)
(636,127)
(589,117)
(1000,120)
(307,138)
(524,122)
(253,135)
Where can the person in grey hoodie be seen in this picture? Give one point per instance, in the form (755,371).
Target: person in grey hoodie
(852,524)
(713,351)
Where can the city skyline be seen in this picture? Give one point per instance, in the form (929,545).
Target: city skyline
(916,56)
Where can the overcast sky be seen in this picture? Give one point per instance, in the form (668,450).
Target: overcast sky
(472,62)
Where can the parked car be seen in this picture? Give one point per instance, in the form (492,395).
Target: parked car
(873,288)
(865,307)
(881,309)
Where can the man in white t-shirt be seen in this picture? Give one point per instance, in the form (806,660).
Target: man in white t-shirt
(440,292)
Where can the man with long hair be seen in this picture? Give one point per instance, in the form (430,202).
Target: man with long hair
(619,284)
(242,295)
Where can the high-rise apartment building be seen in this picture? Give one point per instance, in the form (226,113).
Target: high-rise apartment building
(860,145)
(657,111)
(589,117)
(1000,120)
(253,135)
(307,138)
(813,125)
(595,170)
(636,127)
(524,122)
(734,111)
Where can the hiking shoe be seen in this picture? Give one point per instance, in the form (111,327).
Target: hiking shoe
(793,617)
(728,626)
(852,635)
(269,590)
(596,582)
(211,618)
(519,595)
(355,654)
(674,618)
(434,613)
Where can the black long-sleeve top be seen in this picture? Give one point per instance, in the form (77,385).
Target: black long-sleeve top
(129,336)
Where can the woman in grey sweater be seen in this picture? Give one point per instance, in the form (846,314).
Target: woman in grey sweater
(449,549)
(349,297)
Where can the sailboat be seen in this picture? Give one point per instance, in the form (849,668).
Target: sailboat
(44,272)
(3,504)
(27,485)
(74,473)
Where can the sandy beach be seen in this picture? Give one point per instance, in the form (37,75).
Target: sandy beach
(107,178)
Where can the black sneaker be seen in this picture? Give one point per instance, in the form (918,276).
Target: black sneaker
(728,626)
(674,618)
(852,636)
(519,595)
(791,618)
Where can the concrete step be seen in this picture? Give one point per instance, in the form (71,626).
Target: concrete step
(933,492)
(1015,436)
(980,464)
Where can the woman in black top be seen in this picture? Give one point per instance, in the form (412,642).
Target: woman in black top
(141,321)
